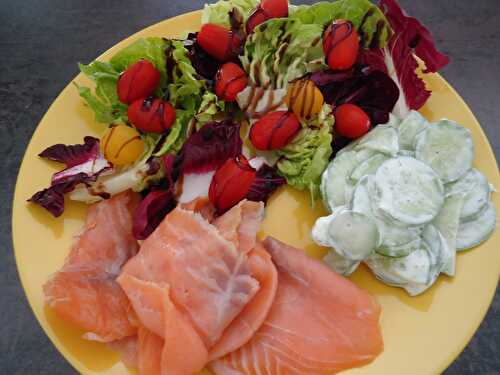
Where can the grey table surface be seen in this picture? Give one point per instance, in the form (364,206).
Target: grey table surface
(40,43)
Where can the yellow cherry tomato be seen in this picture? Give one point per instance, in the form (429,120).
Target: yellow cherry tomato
(304,98)
(122,145)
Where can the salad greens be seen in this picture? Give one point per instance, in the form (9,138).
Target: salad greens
(206,129)
(303,160)
(218,12)
(281,50)
(370,22)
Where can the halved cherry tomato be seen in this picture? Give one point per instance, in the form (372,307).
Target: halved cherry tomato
(351,121)
(138,81)
(151,115)
(266,10)
(274,130)
(229,81)
(219,42)
(231,183)
(340,44)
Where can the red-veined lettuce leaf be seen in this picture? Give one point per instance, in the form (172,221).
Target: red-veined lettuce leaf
(84,164)
(210,147)
(398,57)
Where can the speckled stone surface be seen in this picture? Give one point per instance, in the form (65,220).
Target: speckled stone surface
(40,43)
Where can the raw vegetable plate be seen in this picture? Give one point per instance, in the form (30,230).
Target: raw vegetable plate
(422,334)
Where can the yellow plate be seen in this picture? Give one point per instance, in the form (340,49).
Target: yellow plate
(422,335)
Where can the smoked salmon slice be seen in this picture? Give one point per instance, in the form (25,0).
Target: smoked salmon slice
(84,292)
(201,205)
(209,279)
(241,330)
(319,323)
(241,223)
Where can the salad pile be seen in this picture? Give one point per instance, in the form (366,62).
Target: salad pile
(265,94)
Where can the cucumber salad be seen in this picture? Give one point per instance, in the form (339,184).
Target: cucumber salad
(404,199)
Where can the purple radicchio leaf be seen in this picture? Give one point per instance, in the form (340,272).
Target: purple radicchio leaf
(210,147)
(267,180)
(159,201)
(372,90)
(84,164)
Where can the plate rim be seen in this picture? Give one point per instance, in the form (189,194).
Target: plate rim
(17,200)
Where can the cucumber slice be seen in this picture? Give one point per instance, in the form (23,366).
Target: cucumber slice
(409,153)
(340,264)
(382,138)
(396,239)
(335,179)
(411,125)
(472,233)
(319,232)
(353,235)
(447,148)
(447,222)
(414,268)
(409,190)
(394,121)
(477,193)
(398,251)
(436,244)
(368,167)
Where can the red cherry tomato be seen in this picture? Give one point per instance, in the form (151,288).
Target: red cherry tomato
(229,81)
(266,10)
(151,115)
(219,42)
(351,121)
(275,8)
(140,80)
(341,44)
(231,183)
(274,130)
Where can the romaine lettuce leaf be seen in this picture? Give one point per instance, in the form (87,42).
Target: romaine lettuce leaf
(370,22)
(281,50)
(209,108)
(304,159)
(184,87)
(218,12)
(104,101)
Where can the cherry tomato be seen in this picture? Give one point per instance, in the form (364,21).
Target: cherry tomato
(121,145)
(231,183)
(304,98)
(275,8)
(138,81)
(340,44)
(219,42)
(274,130)
(229,81)
(151,115)
(351,121)
(266,10)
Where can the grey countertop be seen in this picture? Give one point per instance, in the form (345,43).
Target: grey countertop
(40,43)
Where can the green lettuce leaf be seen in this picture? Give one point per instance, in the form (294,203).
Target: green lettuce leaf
(151,49)
(218,12)
(184,86)
(104,101)
(209,108)
(304,159)
(281,50)
(178,133)
(368,19)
